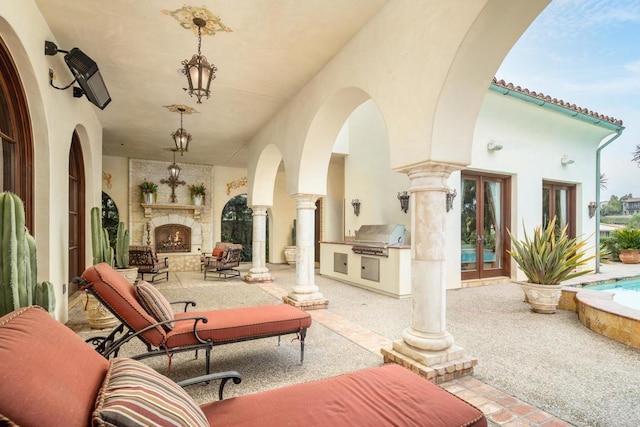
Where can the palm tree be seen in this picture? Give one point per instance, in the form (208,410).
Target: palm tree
(603,181)
(636,155)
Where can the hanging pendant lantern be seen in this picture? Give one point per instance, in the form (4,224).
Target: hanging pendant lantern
(199,72)
(181,137)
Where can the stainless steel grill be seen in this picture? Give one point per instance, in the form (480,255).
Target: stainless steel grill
(375,239)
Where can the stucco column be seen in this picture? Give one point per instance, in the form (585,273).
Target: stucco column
(305,288)
(427,339)
(259,271)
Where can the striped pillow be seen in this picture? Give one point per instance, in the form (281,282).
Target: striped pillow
(154,303)
(133,394)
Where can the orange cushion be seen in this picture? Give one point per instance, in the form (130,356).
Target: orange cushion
(217,252)
(48,375)
(120,296)
(387,395)
(239,323)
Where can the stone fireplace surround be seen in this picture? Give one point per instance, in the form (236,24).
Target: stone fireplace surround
(201,222)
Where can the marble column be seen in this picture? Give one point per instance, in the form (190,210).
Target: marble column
(305,289)
(427,340)
(259,271)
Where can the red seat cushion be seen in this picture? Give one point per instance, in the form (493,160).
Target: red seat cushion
(239,323)
(217,252)
(48,375)
(387,395)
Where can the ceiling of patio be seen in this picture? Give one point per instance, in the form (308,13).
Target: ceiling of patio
(273,49)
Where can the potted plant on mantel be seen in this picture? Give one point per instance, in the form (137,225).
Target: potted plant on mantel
(627,241)
(197,193)
(149,191)
(548,259)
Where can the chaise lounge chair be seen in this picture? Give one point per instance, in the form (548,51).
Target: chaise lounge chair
(50,377)
(145,314)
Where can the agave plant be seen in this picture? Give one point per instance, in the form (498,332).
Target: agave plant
(550,257)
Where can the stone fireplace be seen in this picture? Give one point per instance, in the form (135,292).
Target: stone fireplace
(173,238)
(178,238)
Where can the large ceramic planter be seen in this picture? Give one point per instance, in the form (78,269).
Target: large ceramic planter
(630,256)
(290,254)
(98,316)
(131,274)
(542,298)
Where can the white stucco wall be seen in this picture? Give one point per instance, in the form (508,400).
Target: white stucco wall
(54,115)
(368,175)
(534,139)
(116,184)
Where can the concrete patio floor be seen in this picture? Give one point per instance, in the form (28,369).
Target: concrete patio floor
(533,369)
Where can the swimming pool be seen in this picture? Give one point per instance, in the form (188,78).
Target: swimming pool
(626,292)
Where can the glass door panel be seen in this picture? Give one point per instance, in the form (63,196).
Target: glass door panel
(468,228)
(491,236)
(482,229)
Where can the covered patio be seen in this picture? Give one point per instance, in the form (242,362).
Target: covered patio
(536,370)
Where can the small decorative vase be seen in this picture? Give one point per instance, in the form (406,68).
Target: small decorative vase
(198,200)
(148,198)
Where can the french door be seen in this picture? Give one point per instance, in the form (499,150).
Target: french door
(559,200)
(485,215)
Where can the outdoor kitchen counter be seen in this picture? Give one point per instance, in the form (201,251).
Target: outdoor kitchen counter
(389,275)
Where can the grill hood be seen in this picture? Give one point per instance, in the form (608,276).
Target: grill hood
(381,235)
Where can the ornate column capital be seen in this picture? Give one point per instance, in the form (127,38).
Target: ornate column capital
(429,175)
(305,201)
(259,210)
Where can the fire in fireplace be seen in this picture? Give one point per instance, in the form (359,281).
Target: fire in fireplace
(173,238)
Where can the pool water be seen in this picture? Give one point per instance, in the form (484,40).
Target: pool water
(626,292)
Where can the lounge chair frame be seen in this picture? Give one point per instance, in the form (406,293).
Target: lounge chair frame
(109,345)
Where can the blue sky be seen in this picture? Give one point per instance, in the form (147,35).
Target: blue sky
(587,52)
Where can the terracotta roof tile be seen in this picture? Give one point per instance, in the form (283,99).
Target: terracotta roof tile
(555,101)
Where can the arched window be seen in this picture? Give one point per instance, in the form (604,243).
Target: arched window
(16,160)
(237,224)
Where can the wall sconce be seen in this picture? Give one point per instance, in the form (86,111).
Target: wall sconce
(494,146)
(356,206)
(451,195)
(592,209)
(565,160)
(403,196)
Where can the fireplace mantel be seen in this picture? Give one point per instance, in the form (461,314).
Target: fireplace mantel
(150,207)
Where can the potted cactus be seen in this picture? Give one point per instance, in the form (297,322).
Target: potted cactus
(122,255)
(19,286)
(547,259)
(99,316)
